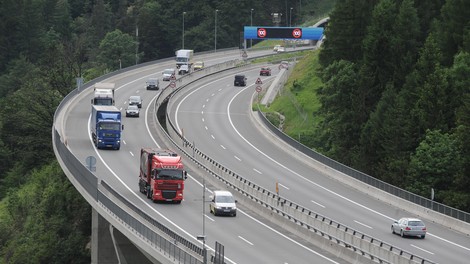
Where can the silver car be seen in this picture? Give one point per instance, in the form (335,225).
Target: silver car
(409,227)
(132,110)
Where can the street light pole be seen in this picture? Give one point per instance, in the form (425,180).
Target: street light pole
(251,24)
(215,31)
(183,29)
(290,17)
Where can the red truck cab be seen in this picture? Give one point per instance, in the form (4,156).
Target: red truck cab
(161,175)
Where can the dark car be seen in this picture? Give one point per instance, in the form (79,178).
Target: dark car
(240,80)
(266,71)
(135,100)
(153,84)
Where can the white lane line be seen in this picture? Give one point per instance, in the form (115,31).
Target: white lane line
(357,222)
(123,141)
(283,186)
(202,112)
(200,184)
(203,119)
(212,94)
(321,205)
(203,105)
(132,154)
(209,218)
(245,240)
(429,252)
(238,158)
(206,127)
(222,146)
(212,136)
(259,172)
(207,100)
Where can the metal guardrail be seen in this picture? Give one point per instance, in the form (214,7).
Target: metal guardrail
(356,241)
(398,192)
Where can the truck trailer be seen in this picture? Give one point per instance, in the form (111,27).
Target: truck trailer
(161,175)
(103,94)
(106,126)
(184,56)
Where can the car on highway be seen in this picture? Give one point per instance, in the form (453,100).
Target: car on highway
(167,73)
(281,49)
(276,47)
(240,80)
(223,203)
(409,227)
(132,111)
(153,84)
(284,64)
(265,71)
(198,65)
(135,100)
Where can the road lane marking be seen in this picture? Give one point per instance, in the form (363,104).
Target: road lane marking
(222,146)
(238,158)
(259,172)
(283,186)
(245,240)
(363,224)
(429,252)
(321,205)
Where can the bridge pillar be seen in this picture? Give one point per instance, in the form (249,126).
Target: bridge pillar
(109,246)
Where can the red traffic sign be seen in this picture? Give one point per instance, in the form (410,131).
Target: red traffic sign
(258,81)
(173,84)
(244,55)
(173,77)
(258,89)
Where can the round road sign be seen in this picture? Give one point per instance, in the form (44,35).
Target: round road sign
(172,84)
(258,89)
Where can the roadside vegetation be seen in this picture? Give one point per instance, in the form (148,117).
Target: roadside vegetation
(389,94)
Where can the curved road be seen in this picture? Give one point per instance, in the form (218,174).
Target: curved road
(246,238)
(215,116)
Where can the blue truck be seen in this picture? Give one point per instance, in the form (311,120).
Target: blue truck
(106,126)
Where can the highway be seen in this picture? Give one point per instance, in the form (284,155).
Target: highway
(215,116)
(246,239)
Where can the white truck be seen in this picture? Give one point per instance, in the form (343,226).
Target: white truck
(103,94)
(184,56)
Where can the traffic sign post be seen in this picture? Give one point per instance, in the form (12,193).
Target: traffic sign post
(172,84)
(173,77)
(258,81)
(258,89)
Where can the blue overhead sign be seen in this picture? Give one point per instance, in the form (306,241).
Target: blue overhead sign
(258,32)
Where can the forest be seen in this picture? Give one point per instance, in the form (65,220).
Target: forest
(394,94)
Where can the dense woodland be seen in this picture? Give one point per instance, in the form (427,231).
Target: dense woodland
(395,99)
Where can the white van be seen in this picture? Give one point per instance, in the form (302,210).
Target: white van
(223,203)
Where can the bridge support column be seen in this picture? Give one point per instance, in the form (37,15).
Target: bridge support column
(109,246)
(102,246)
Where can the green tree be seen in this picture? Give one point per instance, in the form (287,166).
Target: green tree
(117,50)
(340,106)
(346,30)
(434,164)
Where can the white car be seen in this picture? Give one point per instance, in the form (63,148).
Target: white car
(132,110)
(281,49)
(167,73)
(276,48)
(223,203)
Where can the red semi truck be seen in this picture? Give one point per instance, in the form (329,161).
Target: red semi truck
(161,175)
